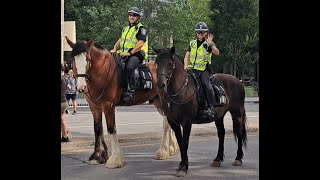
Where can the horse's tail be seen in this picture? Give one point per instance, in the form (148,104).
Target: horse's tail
(241,128)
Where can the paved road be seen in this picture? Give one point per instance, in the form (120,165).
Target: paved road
(139,133)
(141,164)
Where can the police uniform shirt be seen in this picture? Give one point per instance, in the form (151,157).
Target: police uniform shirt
(209,49)
(142,34)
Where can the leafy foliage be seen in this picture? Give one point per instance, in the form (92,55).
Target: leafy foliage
(235,25)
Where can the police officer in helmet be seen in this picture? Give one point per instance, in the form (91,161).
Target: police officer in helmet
(132,46)
(197,57)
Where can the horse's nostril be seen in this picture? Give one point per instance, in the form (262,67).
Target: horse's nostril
(161,86)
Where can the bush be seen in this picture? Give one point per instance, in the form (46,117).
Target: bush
(250,91)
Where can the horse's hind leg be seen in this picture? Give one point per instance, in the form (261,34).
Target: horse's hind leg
(99,156)
(116,158)
(163,151)
(173,144)
(168,144)
(221,134)
(239,129)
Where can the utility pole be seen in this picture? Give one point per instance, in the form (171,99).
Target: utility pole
(62,31)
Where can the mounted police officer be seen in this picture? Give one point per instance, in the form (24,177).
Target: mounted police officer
(197,57)
(132,45)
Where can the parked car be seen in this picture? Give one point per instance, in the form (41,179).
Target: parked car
(248,81)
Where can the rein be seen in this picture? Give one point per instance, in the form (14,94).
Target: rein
(171,96)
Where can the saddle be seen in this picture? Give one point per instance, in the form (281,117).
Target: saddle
(141,73)
(219,92)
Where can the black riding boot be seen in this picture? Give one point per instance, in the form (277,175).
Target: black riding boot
(129,96)
(209,109)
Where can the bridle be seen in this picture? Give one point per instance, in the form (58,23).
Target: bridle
(168,77)
(88,66)
(87,76)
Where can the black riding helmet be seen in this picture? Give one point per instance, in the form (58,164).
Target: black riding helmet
(201,27)
(135,10)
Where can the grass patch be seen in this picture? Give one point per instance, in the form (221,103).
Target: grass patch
(250,92)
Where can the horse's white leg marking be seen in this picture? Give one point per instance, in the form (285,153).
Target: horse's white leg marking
(116,158)
(163,152)
(173,144)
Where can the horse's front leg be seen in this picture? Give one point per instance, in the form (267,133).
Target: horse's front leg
(184,164)
(99,156)
(116,158)
(183,167)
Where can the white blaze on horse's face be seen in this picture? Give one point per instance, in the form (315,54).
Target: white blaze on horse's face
(81,62)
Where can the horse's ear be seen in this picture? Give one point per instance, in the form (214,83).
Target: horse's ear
(71,44)
(172,50)
(90,42)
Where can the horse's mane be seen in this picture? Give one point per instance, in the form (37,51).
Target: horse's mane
(81,47)
(178,59)
(99,46)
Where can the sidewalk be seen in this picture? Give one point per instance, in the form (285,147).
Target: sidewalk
(143,122)
(252,99)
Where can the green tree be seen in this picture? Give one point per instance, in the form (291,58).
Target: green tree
(236,26)
(234,23)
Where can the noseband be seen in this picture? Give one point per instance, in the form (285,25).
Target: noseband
(87,76)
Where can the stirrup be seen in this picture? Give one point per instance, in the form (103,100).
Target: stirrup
(129,96)
(208,111)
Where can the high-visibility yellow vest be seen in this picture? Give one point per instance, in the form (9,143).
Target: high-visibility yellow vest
(129,40)
(199,57)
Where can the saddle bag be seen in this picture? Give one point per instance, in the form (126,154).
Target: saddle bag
(219,90)
(145,78)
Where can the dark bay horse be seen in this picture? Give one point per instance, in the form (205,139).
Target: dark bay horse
(97,76)
(180,104)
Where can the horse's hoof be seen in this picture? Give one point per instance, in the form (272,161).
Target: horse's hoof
(181,173)
(173,149)
(216,163)
(113,166)
(98,158)
(114,162)
(162,154)
(94,162)
(237,163)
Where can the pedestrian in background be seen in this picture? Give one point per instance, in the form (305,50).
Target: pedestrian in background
(65,133)
(71,93)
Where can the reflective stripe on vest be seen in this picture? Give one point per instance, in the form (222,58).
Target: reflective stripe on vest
(129,40)
(199,57)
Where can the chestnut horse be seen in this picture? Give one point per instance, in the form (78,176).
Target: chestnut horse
(179,99)
(97,76)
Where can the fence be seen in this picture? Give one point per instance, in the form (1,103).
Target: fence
(82,102)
